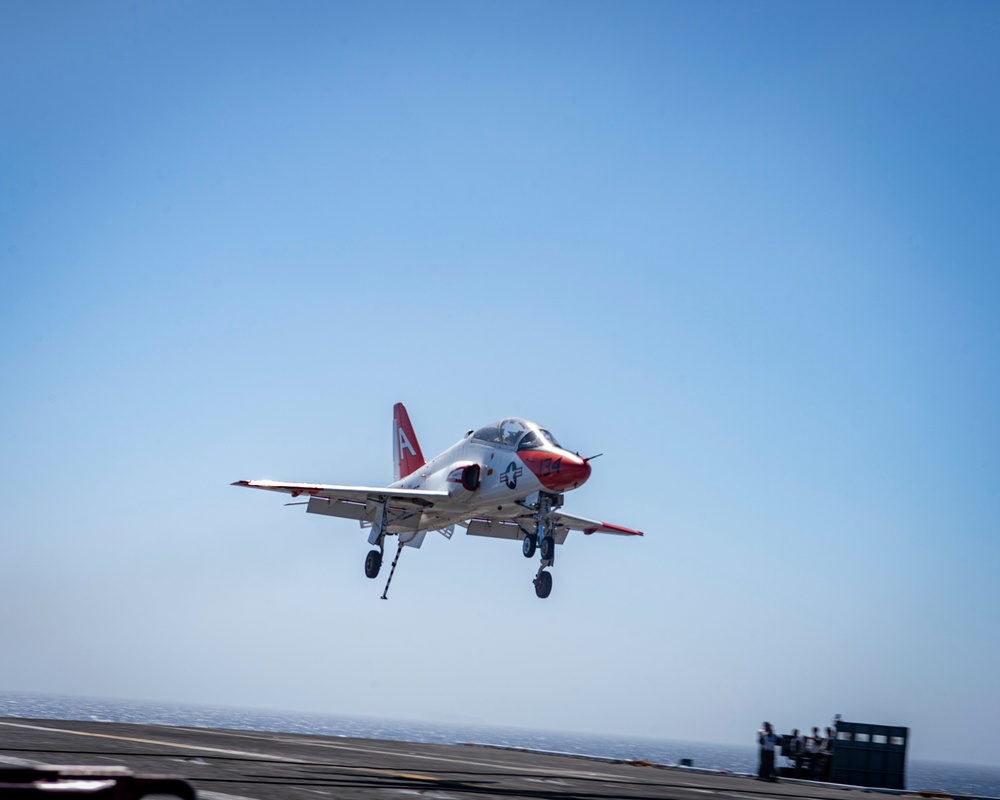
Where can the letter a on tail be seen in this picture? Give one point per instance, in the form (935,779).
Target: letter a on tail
(407,457)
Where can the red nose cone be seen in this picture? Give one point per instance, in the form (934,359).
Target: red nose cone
(574,472)
(558,470)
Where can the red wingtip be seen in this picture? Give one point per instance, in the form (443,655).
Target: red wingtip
(623,529)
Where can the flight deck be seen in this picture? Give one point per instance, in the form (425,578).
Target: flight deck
(253,765)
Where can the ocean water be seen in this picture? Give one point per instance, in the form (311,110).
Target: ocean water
(957,779)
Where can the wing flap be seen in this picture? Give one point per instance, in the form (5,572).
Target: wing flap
(346,509)
(494,528)
(506,529)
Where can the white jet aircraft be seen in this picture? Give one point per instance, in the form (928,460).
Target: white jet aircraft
(505,480)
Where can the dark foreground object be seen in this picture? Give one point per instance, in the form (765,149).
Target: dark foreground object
(112,783)
(224,764)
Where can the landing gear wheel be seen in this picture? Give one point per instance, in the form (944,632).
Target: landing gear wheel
(543,584)
(373,563)
(548,550)
(528,545)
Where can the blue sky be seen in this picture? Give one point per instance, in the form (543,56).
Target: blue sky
(748,251)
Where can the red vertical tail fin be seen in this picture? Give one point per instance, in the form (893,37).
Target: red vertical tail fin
(406,455)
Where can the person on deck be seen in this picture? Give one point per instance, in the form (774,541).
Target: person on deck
(812,753)
(767,740)
(826,755)
(796,751)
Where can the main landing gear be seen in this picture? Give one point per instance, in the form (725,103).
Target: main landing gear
(373,563)
(542,540)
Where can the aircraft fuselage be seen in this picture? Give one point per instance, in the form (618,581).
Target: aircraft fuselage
(507,478)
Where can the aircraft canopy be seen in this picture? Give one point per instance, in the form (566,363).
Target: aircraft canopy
(520,433)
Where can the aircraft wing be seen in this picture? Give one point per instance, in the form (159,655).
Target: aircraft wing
(588,526)
(407,498)
(510,529)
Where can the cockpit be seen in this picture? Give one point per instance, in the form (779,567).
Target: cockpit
(519,433)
